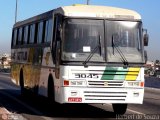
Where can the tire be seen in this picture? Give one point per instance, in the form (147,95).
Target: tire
(51,93)
(35,90)
(21,82)
(119,108)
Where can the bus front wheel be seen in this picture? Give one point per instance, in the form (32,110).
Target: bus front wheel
(51,95)
(119,108)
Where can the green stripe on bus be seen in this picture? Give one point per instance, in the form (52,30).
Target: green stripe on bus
(114,73)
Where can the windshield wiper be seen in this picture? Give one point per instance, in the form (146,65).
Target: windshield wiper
(92,52)
(123,58)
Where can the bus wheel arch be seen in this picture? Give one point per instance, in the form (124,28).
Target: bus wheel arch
(51,91)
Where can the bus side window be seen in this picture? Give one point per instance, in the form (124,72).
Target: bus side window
(43,31)
(32,34)
(15,36)
(19,41)
(48,30)
(36,33)
(25,35)
(40,32)
(22,36)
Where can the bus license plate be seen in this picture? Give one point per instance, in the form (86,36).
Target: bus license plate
(74,99)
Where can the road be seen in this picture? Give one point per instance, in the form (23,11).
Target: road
(33,107)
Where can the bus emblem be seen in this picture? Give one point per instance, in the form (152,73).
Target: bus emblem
(105,83)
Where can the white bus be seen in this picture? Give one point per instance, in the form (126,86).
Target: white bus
(81,54)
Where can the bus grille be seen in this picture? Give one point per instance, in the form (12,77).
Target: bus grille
(105,96)
(105,84)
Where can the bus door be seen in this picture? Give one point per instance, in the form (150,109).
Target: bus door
(56,53)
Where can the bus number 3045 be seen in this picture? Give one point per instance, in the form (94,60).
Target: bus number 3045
(83,75)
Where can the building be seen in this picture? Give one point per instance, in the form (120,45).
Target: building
(5,60)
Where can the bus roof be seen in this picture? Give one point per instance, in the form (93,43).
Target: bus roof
(86,11)
(98,11)
(42,16)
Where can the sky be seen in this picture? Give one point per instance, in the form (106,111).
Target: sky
(148,9)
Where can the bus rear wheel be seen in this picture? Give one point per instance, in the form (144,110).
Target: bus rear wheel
(119,108)
(21,83)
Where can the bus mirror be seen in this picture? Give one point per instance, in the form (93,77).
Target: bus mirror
(145,37)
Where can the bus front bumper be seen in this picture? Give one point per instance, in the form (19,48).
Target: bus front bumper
(102,95)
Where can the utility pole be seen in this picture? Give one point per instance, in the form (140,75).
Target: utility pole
(87,2)
(16,11)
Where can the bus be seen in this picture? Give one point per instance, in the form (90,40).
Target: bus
(81,54)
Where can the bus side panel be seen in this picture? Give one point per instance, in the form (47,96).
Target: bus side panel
(24,59)
(47,69)
(15,66)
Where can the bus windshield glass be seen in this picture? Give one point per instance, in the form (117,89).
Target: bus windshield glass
(82,36)
(124,36)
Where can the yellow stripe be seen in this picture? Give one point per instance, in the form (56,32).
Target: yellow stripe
(132,74)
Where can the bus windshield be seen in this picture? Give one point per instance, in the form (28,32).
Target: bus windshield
(82,36)
(126,36)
